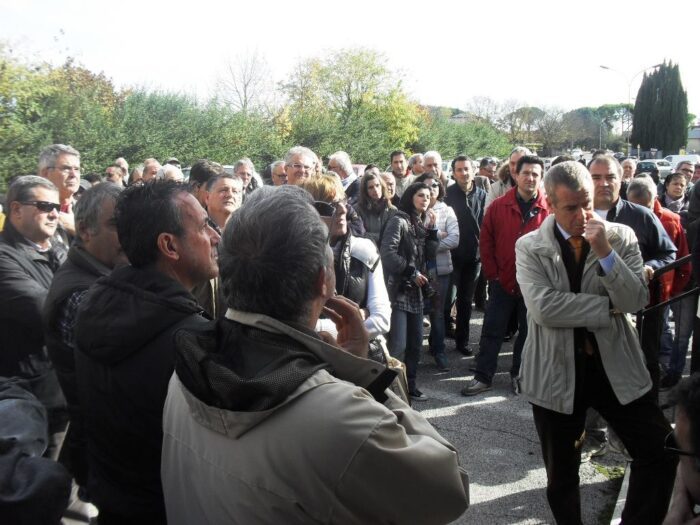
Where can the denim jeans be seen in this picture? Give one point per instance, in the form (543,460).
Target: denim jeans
(675,346)
(465,278)
(498,311)
(406,341)
(437,317)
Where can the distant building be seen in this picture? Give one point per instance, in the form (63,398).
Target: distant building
(462,118)
(693,140)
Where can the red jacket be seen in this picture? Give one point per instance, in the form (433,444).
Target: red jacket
(503,225)
(673,282)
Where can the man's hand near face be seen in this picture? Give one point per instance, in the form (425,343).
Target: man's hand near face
(352,334)
(595,234)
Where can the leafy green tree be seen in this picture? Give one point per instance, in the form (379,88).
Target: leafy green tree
(476,139)
(349,101)
(22,90)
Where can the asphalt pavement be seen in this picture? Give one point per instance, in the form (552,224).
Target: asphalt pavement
(495,435)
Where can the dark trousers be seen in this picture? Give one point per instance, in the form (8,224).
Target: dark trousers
(110,518)
(640,425)
(464,277)
(695,348)
(498,312)
(480,292)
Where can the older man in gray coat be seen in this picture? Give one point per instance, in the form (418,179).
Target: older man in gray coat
(580,276)
(267,421)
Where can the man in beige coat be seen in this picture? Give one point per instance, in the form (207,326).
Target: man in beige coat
(267,421)
(580,276)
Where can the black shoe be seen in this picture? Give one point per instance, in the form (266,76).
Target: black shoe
(442,363)
(417,395)
(668,381)
(464,350)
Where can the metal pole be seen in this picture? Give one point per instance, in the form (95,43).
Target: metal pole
(629,116)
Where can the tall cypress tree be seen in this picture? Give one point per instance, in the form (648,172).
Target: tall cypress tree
(661,111)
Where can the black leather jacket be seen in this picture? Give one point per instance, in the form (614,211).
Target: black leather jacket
(400,253)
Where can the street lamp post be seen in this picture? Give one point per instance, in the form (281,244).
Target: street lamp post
(629,97)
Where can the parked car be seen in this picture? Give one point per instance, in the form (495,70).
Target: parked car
(662,165)
(675,159)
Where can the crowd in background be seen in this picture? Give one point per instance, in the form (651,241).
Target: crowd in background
(145,310)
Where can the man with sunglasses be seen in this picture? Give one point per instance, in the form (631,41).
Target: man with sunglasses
(30,254)
(61,165)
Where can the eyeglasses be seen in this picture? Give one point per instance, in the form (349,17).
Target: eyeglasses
(304,167)
(434,185)
(328,209)
(671,445)
(66,169)
(43,206)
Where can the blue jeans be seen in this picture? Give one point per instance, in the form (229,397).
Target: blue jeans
(498,311)
(437,317)
(676,345)
(406,341)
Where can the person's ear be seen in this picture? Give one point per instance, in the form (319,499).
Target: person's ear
(83,232)
(15,209)
(321,284)
(168,246)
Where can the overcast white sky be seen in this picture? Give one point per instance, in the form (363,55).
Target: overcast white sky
(541,53)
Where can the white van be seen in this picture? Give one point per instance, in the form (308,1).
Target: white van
(675,159)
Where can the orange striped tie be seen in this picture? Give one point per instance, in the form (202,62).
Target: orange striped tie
(576,242)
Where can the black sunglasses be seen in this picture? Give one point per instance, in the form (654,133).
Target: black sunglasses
(327,209)
(324,209)
(43,206)
(671,445)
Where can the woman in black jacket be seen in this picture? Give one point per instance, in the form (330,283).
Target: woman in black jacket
(374,207)
(409,241)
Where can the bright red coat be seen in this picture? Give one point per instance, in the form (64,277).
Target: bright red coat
(673,282)
(503,225)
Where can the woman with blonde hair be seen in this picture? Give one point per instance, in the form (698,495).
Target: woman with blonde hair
(358,269)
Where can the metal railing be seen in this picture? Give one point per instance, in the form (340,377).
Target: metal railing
(655,280)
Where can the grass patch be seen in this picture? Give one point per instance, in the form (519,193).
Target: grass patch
(610,472)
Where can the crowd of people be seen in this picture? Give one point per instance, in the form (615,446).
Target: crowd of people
(231,347)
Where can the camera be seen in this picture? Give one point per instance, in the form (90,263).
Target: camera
(428,291)
(408,284)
